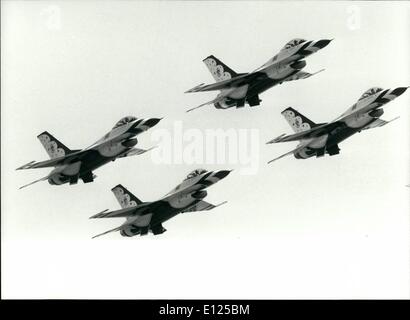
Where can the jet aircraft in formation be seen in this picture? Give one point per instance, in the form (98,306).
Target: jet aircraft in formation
(240,88)
(317,139)
(237,89)
(70,165)
(142,217)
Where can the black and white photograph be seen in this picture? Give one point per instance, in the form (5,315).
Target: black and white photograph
(196,150)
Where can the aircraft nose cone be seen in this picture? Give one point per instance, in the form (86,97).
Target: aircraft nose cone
(222,173)
(399,91)
(152,122)
(322,43)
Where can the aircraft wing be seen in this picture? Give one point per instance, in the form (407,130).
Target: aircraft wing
(300,147)
(42,179)
(379,123)
(122,213)
(69,158)
(225,84)
(202,206)
(112,230)
(140,221)
(217,99)
(308,134)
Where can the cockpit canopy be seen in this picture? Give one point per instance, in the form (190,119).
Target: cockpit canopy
(370,92)
(124,120)
(294,42)
(195,173)
(290,44)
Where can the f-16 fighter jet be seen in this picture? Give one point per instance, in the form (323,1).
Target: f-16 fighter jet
(143,217)
(319,139)
(240,88)
(73,164)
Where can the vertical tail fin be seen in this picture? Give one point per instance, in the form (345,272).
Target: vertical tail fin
(124,197)
(297,121)
(218,69)
(53,147)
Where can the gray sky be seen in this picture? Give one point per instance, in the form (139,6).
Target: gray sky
(334,227)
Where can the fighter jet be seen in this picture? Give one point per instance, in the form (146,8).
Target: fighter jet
(319,139)
(240,88)
(70,165)
(143,217)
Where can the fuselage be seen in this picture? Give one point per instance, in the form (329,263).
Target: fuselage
(183,197)
(116,143)
(287,63)
(90,162)
(249,93)
(365,113)
(328,143)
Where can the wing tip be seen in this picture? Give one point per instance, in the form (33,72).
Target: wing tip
(220,204)
(192,109)
(151,148)
(273,160)
(26,166)
(98,215)
(195,89)
(277,139)
(321,70)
